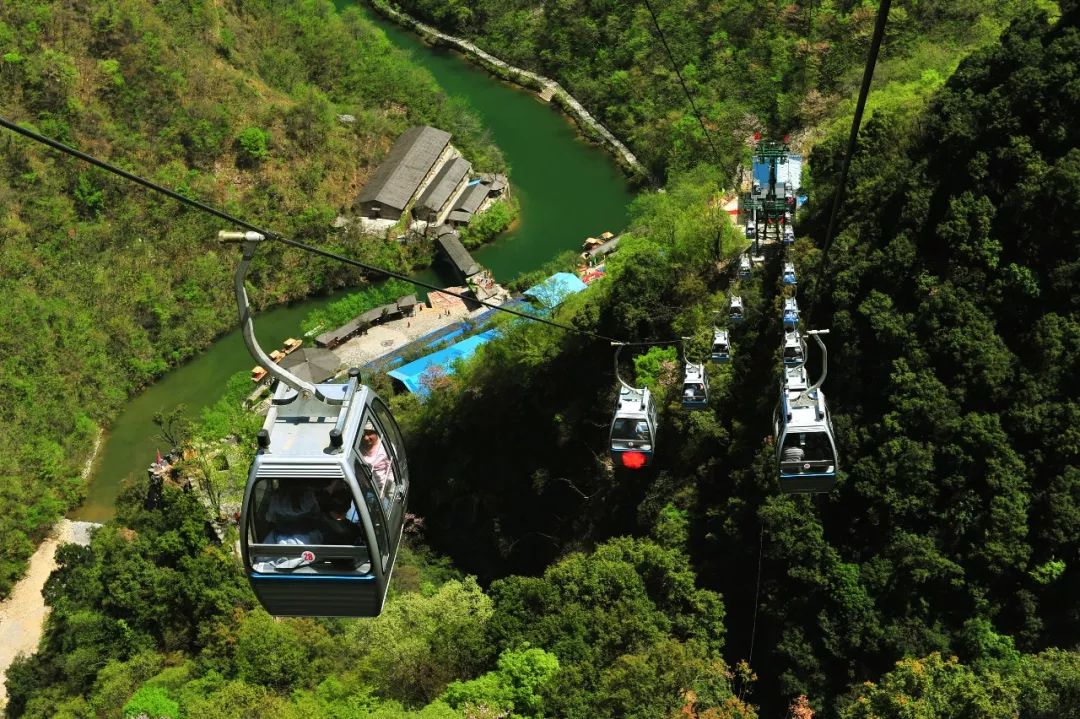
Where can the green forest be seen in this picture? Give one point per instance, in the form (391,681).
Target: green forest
(938,580)
(105,286)
(749,65)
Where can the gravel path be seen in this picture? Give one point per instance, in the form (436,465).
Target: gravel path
(22,615)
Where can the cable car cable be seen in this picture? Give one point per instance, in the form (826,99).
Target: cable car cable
(757,593)
(686,90)
(66,149)
(853,139)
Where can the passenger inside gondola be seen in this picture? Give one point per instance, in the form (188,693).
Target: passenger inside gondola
(694,390)
(630,430)
(293,514)
(343,526)
(373,453)
(807,447)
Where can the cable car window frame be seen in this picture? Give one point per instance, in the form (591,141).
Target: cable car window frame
(391,433)
(634,421)
(259,549)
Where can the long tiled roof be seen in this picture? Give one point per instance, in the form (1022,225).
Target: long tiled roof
(444,184)
(472,198)
(408,162)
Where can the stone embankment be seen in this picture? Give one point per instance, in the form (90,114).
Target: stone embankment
(548,89)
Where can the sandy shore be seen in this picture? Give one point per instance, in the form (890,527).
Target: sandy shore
(22,615)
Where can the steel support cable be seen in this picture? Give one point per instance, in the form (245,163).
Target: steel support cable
(685,88)
(68,150)
(757,592)
(853,139)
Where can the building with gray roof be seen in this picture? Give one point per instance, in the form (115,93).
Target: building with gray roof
(393,184)
(468,203)
(439,191)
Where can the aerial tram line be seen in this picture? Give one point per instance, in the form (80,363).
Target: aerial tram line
(853,140)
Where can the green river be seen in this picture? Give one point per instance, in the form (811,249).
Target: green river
(567,189)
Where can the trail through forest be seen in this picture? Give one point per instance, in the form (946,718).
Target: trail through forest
(22,615)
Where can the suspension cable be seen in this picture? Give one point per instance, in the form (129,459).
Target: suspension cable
(209,209)
(757,592)
(685,88)
(853,139)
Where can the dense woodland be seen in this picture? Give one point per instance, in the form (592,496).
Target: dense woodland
(937,580)
(106,286)
(750,65)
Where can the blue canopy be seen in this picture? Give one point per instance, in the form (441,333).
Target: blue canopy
(551,292)
(789,172)
(441,362)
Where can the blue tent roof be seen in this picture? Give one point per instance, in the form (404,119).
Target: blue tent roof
(552,291)
(411,375)
(789,172)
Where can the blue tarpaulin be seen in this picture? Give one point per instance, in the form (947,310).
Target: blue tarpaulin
(551,292)
(441,362)
(789,172)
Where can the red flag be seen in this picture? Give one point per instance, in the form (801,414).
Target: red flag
(159,456)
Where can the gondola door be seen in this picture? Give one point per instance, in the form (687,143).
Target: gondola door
(395,444)
(384,478)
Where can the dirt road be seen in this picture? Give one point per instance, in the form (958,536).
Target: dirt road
(22,615)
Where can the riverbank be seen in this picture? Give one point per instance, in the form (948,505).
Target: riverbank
(567,189)
(549,90)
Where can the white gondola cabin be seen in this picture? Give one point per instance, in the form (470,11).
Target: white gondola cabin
(791,314)
(805,443)
(735,309)
(789,234)
(721,347)
(744,267)
(325,504)
(633,428)
(325,500)
(794,348)
(789,273)
(695,386)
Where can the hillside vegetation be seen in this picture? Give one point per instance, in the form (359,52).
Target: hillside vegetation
(936,581)
(106,286)
(750,64)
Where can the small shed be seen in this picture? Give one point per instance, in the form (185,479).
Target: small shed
(472,198)
(457,254)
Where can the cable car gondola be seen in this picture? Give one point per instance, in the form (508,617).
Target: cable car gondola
(805,441)
(695,386)
(736,309)
(789,273)
(789,235)
(794,348)
(633,428)
(325,500)
(744,266)
(721,348)
(791,314)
